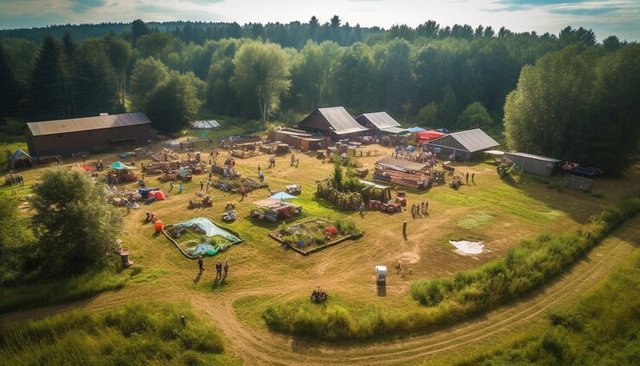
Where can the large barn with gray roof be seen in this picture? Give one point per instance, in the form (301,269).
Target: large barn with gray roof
(464,145)
(334,122)
(67,136)
(380,122)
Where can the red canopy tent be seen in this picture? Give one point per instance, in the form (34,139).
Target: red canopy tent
(426,136)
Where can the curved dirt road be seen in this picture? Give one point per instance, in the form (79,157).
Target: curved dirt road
(258,347)
(262,347)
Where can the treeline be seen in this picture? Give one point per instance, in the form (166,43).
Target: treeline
(454,77)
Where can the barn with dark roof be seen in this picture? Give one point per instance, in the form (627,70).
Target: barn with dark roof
(335,122)
(67,136)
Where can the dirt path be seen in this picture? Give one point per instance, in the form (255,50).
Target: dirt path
(253,346)
(263,347)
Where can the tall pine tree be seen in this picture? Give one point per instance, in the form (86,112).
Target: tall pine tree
(10,91)
(49,88)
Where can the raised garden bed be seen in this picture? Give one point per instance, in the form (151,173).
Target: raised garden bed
(315,234)
(200,236)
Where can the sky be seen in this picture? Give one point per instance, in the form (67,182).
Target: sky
(615,17)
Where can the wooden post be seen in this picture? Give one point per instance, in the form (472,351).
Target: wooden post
(404,230)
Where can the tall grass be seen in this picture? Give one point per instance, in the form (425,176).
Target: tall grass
(448,300)
(602,329)
(69,289)
(132,335)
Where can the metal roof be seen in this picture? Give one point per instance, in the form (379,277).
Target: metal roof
(532,156)
(472,140)
(205,124)
(341,121)
(399,164)
(394,130)
(381,120)
(87,123)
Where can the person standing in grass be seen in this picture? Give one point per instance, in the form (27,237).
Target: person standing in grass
(218,270)
(200,264)
(226,268)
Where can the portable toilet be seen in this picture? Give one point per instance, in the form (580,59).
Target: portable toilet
(381,274)
(381,280)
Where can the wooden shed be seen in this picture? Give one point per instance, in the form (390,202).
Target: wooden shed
(533,164)
(298,139)
(334,122)
(463,145)
(67,136)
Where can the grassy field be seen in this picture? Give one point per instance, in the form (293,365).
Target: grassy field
(135,334)
(263,273)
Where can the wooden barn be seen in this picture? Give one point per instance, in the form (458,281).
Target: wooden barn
(296,138)
(381,123)
(533,164)
(402,172)
(67,136)
(463,145)
(334,122)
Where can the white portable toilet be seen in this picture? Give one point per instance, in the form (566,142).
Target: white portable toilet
(381,274)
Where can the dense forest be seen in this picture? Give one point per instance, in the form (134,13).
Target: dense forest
(439,76)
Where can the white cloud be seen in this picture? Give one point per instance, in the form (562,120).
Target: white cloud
(623,16)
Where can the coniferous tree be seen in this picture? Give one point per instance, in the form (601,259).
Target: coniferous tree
(49,90)
(10,91)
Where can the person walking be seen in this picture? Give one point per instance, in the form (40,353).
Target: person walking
(473,175)
(218,270)
(200,264)
(362,209)
(170,186)
(201,186)
(467,178)
(226,268)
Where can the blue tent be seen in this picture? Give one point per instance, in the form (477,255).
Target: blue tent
(282,196)
(119,166)
(415,129)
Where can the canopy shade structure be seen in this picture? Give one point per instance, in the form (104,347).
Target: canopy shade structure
(282,196)
(425,136)
(120,166)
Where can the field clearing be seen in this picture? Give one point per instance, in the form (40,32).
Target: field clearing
(263,273)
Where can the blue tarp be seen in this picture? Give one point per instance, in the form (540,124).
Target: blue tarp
(282,196)
(415,129)
(210,228)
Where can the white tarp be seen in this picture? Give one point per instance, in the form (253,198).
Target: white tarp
(466,247)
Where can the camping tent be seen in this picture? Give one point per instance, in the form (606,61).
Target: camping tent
(120,166)
(20,159)
(282,196)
